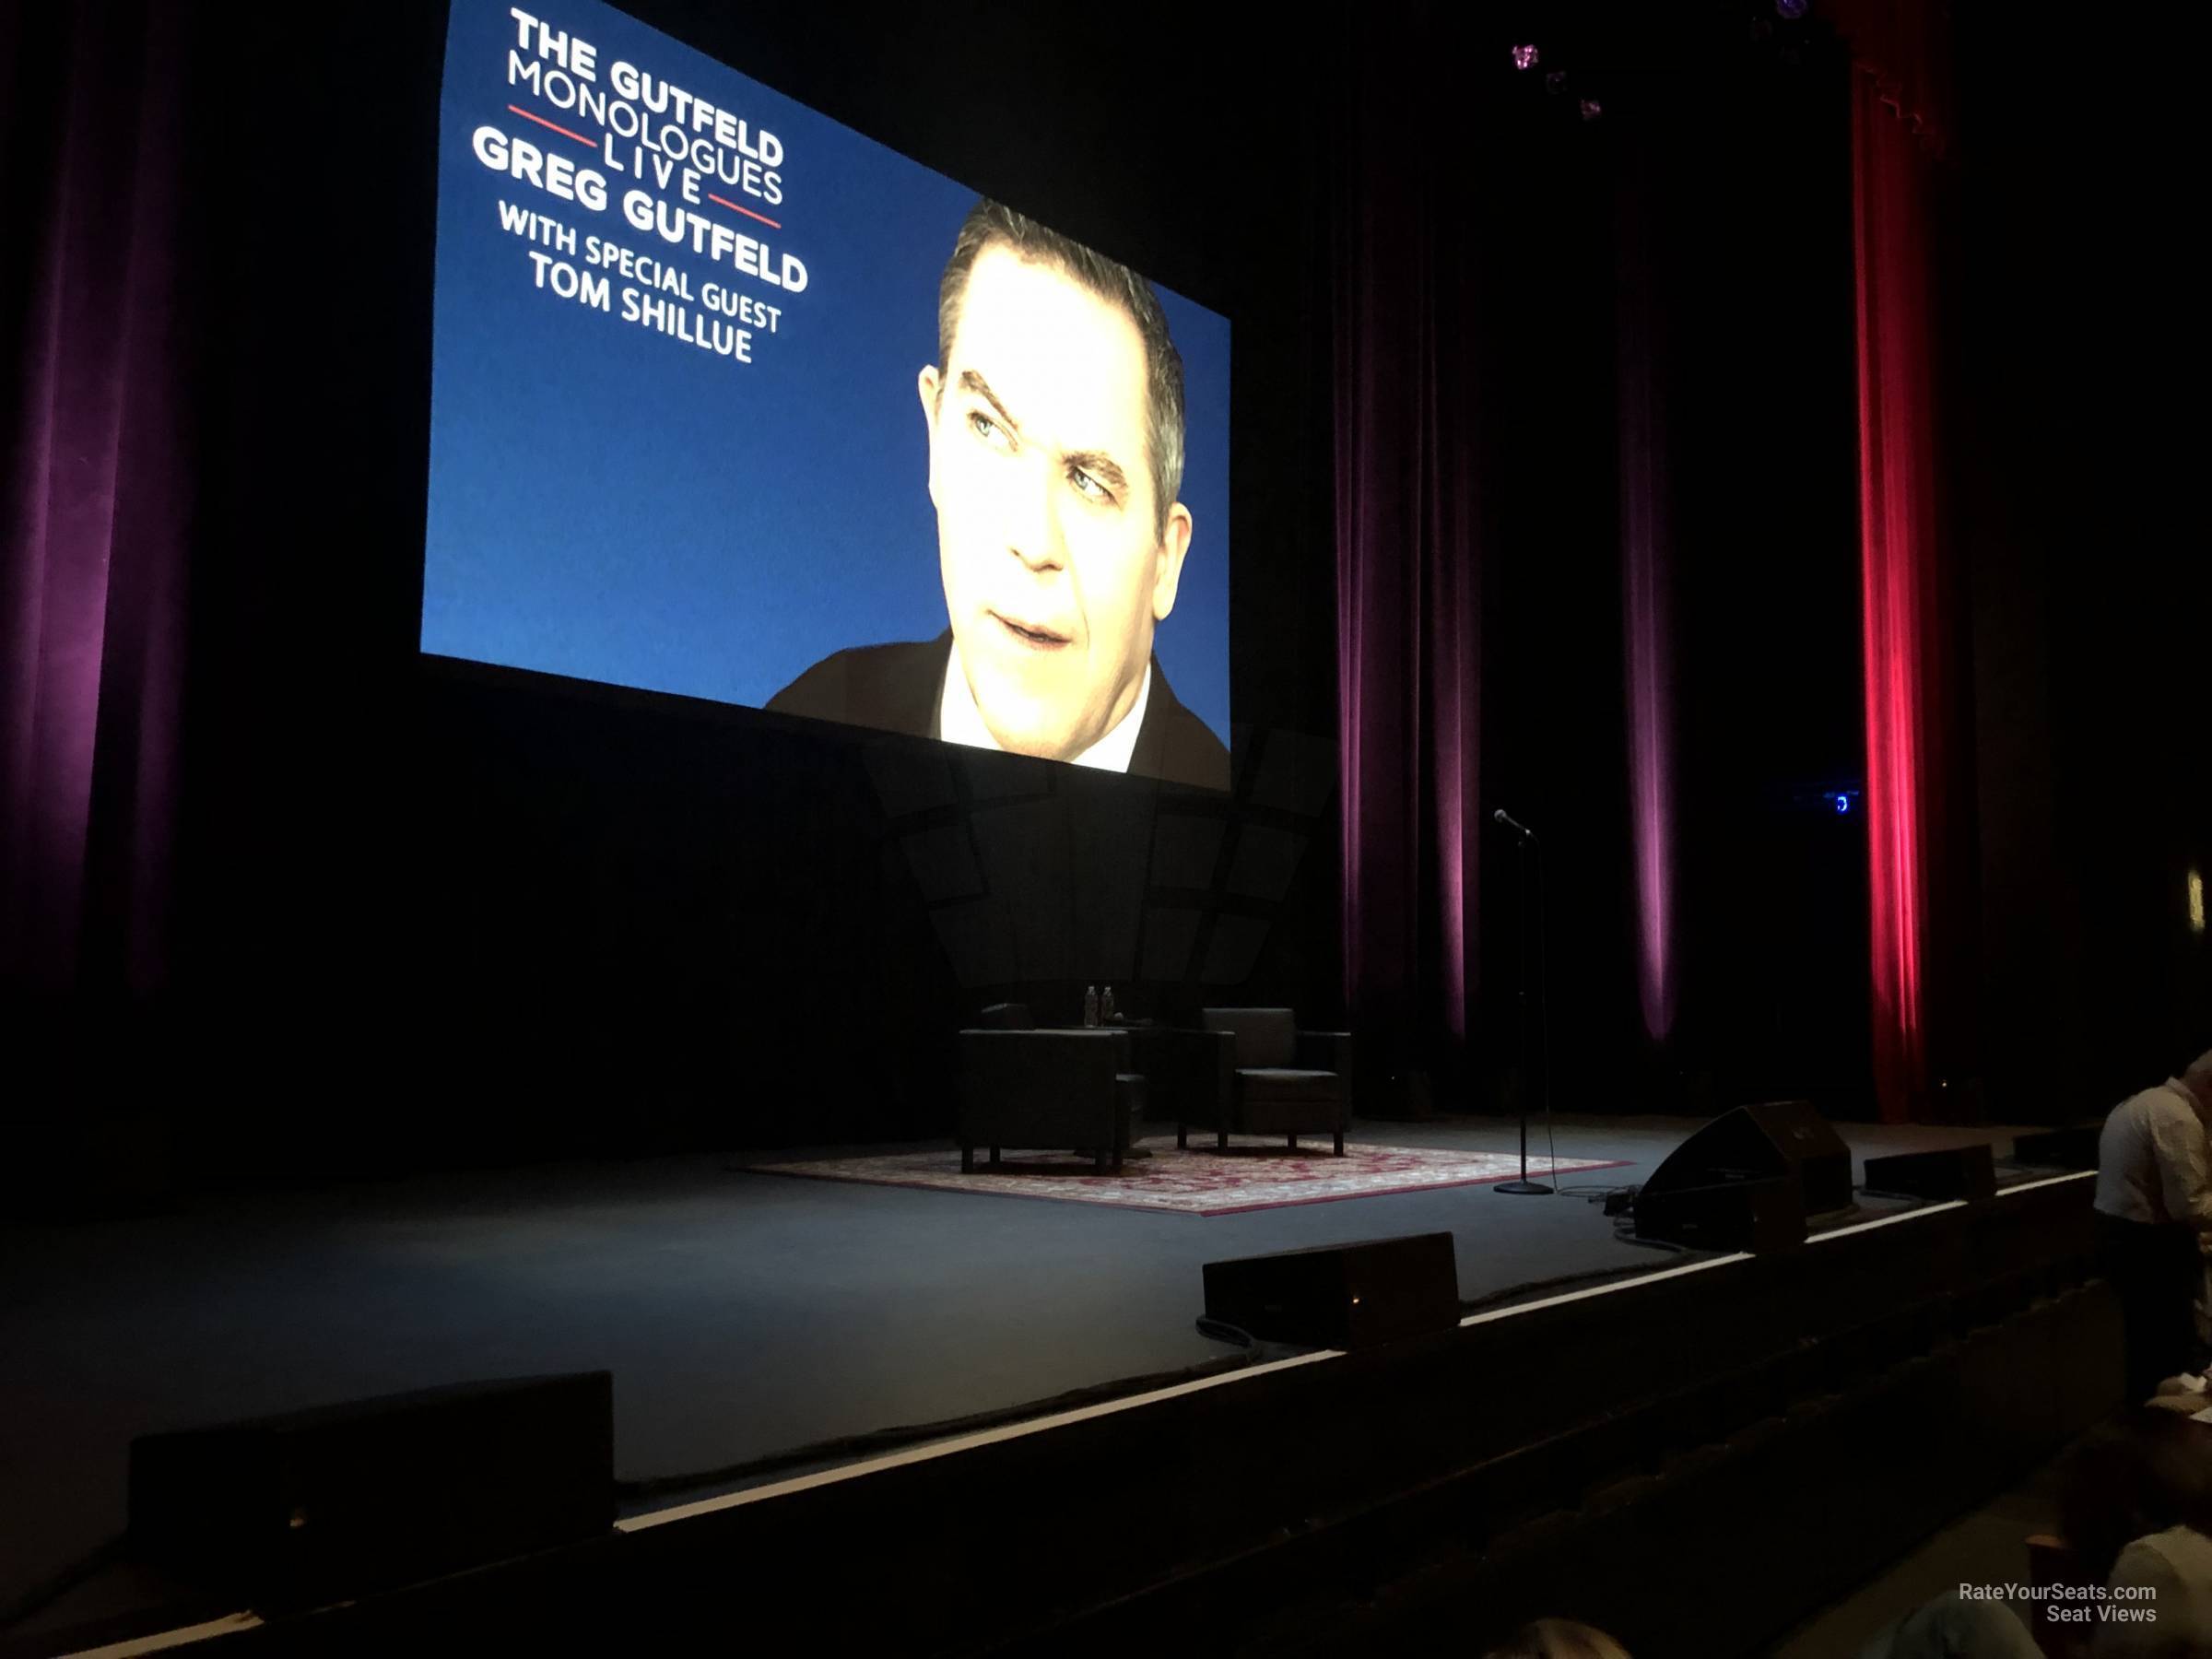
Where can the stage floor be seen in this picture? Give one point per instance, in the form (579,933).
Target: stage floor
(741,1314)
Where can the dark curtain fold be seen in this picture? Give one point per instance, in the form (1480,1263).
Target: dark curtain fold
(1408,551)
(98,491)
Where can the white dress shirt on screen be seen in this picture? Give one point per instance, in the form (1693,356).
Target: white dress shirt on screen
(960,721)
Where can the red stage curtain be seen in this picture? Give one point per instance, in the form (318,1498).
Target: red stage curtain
(1905,629)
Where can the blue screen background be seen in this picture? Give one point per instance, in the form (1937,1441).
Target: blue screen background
(612,504)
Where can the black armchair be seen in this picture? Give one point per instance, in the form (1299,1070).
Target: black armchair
(1190,1076)
(1271,1079)
(1048,1088)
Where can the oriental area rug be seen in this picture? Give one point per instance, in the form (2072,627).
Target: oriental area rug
(1200,1182)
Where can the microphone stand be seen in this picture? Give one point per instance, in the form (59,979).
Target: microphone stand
(1538,1051)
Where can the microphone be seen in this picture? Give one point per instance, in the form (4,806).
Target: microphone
(1503,817)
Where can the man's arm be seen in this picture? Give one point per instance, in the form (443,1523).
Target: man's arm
(2177,1135)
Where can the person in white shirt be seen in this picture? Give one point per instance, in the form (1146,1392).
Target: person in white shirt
(2166,1577)
(2135,1507)
(2154,1206)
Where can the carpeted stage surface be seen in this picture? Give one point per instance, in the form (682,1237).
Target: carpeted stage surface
(741,1314)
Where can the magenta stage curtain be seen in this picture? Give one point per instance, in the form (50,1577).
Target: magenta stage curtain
(1646,593)
(1407,576)
(1905,629)
(95,491)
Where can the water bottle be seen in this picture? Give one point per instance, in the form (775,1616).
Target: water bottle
(1090,1005)
(1106,1011)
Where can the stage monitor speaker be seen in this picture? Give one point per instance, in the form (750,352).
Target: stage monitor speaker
(1780,1140)
(1340,1296)
(2073,1148)
(299,1509)
(1735,1214)
(1968,1172)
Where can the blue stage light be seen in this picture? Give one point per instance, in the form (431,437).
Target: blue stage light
(1843,803)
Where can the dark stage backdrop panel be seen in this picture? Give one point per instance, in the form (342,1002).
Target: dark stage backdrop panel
(700,466)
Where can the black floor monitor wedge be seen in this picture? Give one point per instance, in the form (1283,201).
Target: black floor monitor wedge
(1796,1164)
(1756,1215)
(313,1506)
(1340,1296)
(1968,1172)
(1784,1140)
(2074,1149)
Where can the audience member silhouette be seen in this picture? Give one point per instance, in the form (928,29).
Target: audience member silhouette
(2154,1208)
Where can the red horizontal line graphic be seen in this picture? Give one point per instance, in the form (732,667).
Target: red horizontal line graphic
(747,211)
(562,130)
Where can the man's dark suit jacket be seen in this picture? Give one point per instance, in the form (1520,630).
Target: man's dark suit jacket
(898,689)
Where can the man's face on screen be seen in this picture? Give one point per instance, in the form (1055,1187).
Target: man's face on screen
(1048,538)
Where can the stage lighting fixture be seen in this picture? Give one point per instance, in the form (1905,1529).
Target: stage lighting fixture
(1792,9)
(1555,81)
(1524,57)
(1591,109)
(1842,802)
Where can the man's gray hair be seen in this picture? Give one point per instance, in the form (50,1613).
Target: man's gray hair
(2196,1079)
(990,224)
